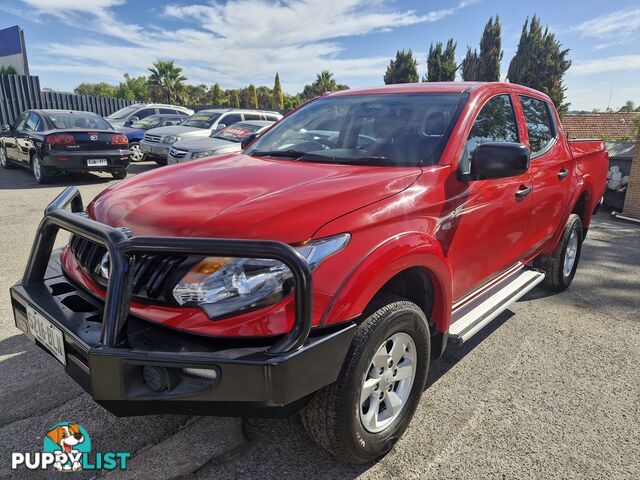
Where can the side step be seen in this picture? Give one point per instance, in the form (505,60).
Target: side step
(469,318)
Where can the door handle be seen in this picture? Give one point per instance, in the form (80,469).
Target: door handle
(523,192)
(563,173)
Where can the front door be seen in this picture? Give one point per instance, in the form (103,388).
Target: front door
(491,220)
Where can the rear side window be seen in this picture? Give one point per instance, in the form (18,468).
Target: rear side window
(33,123)
(231,119)
(272,118)
(252,116)
(539,125)
(496,122)
(144,113)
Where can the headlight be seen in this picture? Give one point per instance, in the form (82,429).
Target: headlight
(203,154)
(170,139)
(230,285)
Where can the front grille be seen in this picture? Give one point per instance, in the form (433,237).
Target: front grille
(151,272)
(176,153)
(152,138)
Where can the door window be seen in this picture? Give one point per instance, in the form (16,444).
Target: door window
(231,119)
(144,113)
(22,121)
(33,123)
(539,124)
(496,122)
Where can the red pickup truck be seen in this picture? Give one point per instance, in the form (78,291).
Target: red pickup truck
(321,270)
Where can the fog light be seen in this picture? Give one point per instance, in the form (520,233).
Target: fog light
(159,379)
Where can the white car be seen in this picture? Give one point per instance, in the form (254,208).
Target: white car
(157,142)
(226,140)
(136,112)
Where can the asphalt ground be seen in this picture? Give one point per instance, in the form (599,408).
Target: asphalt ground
(550,389)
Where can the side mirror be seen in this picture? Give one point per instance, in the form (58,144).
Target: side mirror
(6,127)
(220,127)
(131,121)
(498,160)
(248,139)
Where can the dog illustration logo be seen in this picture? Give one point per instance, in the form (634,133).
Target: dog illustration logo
(69,441)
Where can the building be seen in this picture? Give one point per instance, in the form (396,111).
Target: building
(13,52)
(620,133)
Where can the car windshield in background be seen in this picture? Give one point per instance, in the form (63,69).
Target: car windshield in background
(78,121)
(123,113)
(236,132)
(149,122)
(201,120)
(386,129)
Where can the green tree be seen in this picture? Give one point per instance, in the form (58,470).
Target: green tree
(291,101)
(216,95)
(252,96)
(195,94)
(233,98)
(540,63)
(265,97)
(490,52)
(323,83)
(277,101)
(441,62)
(101,89)
(8,70)
(134,88)
(166,80)
(404,69)
(629,106)
(469,67)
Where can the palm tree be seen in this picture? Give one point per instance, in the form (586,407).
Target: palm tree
(166,79)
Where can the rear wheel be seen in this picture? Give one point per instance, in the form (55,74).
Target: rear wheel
(119,174)
(560,267)
(4,161)
(135,154)
(40,172)
(361,416)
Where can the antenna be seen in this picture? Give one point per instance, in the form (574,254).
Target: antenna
(610,93)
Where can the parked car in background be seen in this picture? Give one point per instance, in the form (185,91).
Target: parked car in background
(227,140)
(157,142)
(51,142)
(135,132)
(126,116)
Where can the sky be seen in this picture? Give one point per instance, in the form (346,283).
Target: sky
(237,42)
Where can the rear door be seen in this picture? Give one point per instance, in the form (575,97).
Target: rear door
(24,138)
(11,140)
(551,167)
(491,221)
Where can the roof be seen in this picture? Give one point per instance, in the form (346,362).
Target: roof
(602,126)
(620,149)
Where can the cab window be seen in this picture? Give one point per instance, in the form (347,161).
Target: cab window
(496,122)
(540,127)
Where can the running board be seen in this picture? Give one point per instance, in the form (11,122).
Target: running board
(469,318)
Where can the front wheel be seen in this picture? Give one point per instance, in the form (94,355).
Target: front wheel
(560,267)
(135,154)
(4,161)
(363,414)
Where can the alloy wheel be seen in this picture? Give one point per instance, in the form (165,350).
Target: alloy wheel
(570,254)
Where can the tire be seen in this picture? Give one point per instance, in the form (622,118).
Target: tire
(560,267)
(339,417)
(40,172)
(4,161)
(135,154)
(119,174)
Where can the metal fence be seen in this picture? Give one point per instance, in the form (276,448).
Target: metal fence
(22,92)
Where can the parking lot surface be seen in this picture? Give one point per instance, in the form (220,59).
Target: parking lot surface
(551,389)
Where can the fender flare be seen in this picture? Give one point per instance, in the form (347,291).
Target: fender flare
(383,262)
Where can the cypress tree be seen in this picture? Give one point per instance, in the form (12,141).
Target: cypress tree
(470,66)
(540,63)
(253,96)
(404,69)
(441,62)
(490,52)
(277,99)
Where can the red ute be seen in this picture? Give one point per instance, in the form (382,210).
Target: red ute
(323,268)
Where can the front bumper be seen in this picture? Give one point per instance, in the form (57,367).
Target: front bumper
(155,149)
(107,349)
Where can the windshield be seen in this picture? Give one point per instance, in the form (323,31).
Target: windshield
(78,120)
(236,132)
(123,112)
(152,121)
(387,129)
(201,120)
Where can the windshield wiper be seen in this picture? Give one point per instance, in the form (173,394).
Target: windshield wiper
(376,161)
(296,154)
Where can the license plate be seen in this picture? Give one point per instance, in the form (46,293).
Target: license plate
(97,162)
(144,148)
(46,333)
